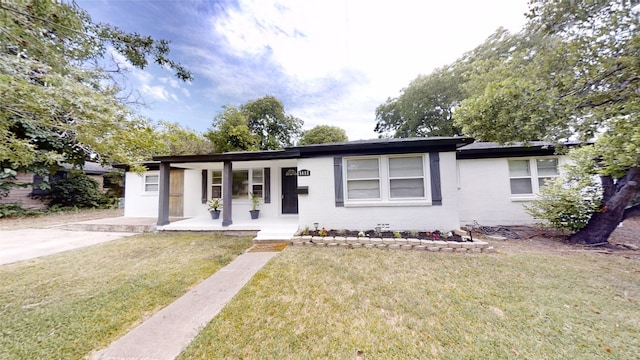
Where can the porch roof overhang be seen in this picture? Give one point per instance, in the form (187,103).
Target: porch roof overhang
(231,156)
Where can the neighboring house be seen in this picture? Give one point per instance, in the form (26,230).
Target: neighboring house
(404,184)
(32,197)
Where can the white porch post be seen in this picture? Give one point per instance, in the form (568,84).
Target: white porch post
(227,193)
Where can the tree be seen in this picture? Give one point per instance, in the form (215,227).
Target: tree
(177,140)
(267,120)
(58,103)
(231,132)
(577,79)
(323,134)
(424,108)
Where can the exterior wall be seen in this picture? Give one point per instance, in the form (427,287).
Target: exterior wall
(137,202)
(485,193)
(319,205)
(22,195)
(141,204)
(241,207)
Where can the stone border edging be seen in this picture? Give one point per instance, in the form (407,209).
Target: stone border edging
(475,246)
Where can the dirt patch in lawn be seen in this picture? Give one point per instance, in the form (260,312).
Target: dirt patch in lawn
(53,220)
(625,240)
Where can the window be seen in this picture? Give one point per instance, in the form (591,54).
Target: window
(386,179)
(528,175)
(520,177)
(216,184)
(363,179)
(406,177)
(547,169)
(151,183)
(42,184)
(257,180)
(241,183)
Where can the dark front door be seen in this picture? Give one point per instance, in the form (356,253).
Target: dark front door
(289,194)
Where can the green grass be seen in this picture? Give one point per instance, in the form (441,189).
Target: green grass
(345,304)
(67,305)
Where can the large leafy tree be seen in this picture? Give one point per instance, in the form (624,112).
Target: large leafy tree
(424,108)
(268,121)
(59,104)
(323,134)
(231,132)
(577,78)
(177,140)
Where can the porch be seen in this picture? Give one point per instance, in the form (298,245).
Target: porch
(281,228)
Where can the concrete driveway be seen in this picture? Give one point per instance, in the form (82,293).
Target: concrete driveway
(24,244)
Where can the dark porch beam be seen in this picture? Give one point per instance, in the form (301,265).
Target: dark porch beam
(163,194)
(227,193)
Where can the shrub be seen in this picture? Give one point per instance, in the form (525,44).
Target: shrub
(566,205)
(78,190)
(10,210)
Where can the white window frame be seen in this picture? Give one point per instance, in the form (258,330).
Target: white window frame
(251,182)
(146,182)
(534,176)
(347,180)
(384,181)
(422,177)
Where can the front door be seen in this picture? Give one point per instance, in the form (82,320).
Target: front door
(289,187)
(176,193)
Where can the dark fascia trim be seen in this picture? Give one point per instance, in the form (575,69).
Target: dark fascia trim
(384,146)
(498,151)
(364,147)
(232,156)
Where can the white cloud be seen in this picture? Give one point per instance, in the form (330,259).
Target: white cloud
(390,43)
(156,92)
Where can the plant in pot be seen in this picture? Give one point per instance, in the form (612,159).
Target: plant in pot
(255,202)
(214,206)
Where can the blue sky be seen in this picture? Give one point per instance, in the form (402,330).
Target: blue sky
(330,62)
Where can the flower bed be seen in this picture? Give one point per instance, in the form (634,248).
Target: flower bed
(435,241)
(386,234)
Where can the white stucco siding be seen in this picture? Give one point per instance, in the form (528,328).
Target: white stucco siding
(139,203)
(192,195)
(485,193)
(319,205)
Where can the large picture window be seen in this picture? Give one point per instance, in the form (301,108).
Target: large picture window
(243,182)
(526,176)
(385,179)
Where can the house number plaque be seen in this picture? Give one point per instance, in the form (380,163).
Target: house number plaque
(304,173)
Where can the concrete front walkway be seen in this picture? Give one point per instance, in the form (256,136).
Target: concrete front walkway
(169,331)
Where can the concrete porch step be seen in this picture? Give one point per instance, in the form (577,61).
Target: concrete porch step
(119,224)
(110,228)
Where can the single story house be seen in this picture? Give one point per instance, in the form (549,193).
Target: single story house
(30,196)
(398,184)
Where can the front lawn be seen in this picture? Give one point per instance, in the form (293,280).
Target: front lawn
(319,303)
(64,306)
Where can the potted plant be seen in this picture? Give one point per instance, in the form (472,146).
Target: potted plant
(214,204)
(255,202)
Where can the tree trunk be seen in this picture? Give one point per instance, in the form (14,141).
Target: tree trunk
(615,199)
